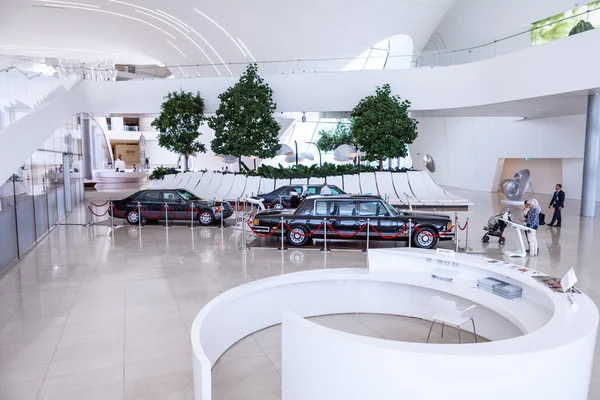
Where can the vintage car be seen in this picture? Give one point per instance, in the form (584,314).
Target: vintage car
(347,214)
(280,197)
(179,201)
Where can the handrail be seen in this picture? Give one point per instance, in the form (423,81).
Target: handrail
(112,159)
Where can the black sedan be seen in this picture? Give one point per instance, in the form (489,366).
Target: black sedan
(280,197)
(347,218)
(179,204)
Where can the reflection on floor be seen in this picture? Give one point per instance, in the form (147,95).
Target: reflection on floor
(96,314)
(251,369)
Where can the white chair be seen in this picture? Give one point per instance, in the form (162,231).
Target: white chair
(447,313)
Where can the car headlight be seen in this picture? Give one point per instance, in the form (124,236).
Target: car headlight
(255,222)
(449,226)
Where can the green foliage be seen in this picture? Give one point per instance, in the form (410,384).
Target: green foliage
(160,172)
(382,127)
(571,22)
(314,171)
(182,113)
(331,139)
(244,124)
(582,26)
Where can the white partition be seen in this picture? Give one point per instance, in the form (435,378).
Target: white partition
(200,187)
(177,180)
(316,181)
(237,188)
(193,181)
(298,181)
(417,184)
(402,188)
(281,182)
(532,333)
(386,188)
(167,182)
(336,181)
(368,184)
(184,180)
(224,187)
(352,184)
(253,185)
(267,185)
(438,192)
(209,190)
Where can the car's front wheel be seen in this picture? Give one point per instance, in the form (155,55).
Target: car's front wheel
(298,236)
(205,217)
(133,217)
(424,238)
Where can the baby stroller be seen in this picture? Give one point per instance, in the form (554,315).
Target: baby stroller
(495,227)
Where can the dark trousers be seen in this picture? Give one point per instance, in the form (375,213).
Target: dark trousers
(556,217)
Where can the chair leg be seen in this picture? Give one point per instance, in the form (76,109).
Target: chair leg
(443,323)
(430,328)
(474,331)
(458,334)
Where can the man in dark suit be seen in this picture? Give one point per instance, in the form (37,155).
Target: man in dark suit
(558,202)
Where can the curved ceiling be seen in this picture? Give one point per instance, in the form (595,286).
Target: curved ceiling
(187,32)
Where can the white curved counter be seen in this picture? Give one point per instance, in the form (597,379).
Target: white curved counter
(542,347)
(113,180)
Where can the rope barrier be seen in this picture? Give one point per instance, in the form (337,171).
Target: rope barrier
(124,216)
(389,237)
(152,216)
(464,226)
(99,215)
(182,217)
(262,235)
(100,205)
(304,234)
(433,234)
(344,235)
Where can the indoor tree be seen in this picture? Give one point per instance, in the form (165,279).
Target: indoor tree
(382,127)
(331,139)
(244,124)
(182,113)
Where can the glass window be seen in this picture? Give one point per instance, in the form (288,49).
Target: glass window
(321,208)
(372,209)
(149,196)
(334,191)
(171,197)
(345,208)
(187,195)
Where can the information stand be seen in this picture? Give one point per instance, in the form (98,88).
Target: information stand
(521,245)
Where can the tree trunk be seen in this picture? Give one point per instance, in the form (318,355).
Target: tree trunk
(381,165)
(187,157)
(240,163)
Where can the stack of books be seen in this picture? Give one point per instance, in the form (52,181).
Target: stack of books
(500,288)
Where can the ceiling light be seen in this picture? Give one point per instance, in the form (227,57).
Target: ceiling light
(245,48)
(183,72)
(173,19)
(200,36)
(117,14)
(221,28)
(69,2)
(176,48)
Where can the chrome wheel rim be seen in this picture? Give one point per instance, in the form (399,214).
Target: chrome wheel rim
(424,239)
(133,217)
(205,218)
(296,236)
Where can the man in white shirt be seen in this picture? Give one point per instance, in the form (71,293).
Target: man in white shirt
(119,164)
(325,191)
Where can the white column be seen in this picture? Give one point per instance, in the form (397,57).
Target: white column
(591,155)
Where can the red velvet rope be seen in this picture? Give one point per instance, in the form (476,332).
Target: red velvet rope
(389,237)
(153,216)
(463,227)
(121,215)
(432,234)
(304,234)
(182,217)
(100,205)
(261,235)
(99,215)
(344,235)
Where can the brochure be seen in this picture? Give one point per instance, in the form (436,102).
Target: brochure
(553,283)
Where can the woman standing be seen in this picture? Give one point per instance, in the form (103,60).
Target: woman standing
(533,222)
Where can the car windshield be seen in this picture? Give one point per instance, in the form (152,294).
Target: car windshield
(187,195)
(393,212)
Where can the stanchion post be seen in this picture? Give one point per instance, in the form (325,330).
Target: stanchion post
(139,207)
(221,208)
(281,225)
(90,218)
(467,248)
(456,229)
(112,215)
(166,208)
(410,232)
(325,249)
(192,217)
(243,246)
(368,227)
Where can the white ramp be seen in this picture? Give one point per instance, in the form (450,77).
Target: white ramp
(267,185)
(252,187)
(368,184)
(440,193)
(352,184)
(386,188)
(316,181)
(225,187)
(237,189)
(335,181)
(417,185)
(400,180)
(209,190)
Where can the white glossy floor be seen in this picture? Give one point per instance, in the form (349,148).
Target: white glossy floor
(86,317)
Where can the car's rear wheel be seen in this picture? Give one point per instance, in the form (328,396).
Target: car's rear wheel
(133,217)
(425,238)
(205,217)
(297,236)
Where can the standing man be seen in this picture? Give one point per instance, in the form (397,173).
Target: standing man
(558,202)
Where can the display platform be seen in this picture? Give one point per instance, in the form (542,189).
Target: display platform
(542,346)
(112,180)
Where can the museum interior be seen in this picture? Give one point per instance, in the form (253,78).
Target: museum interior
(230,200)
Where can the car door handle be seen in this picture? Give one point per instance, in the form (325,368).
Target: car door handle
(361,222)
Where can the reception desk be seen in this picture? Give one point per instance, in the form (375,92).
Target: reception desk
(108,180)
(542,347)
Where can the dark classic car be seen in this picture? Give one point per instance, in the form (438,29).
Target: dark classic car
(179,201)
(280,197)
(347,214)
